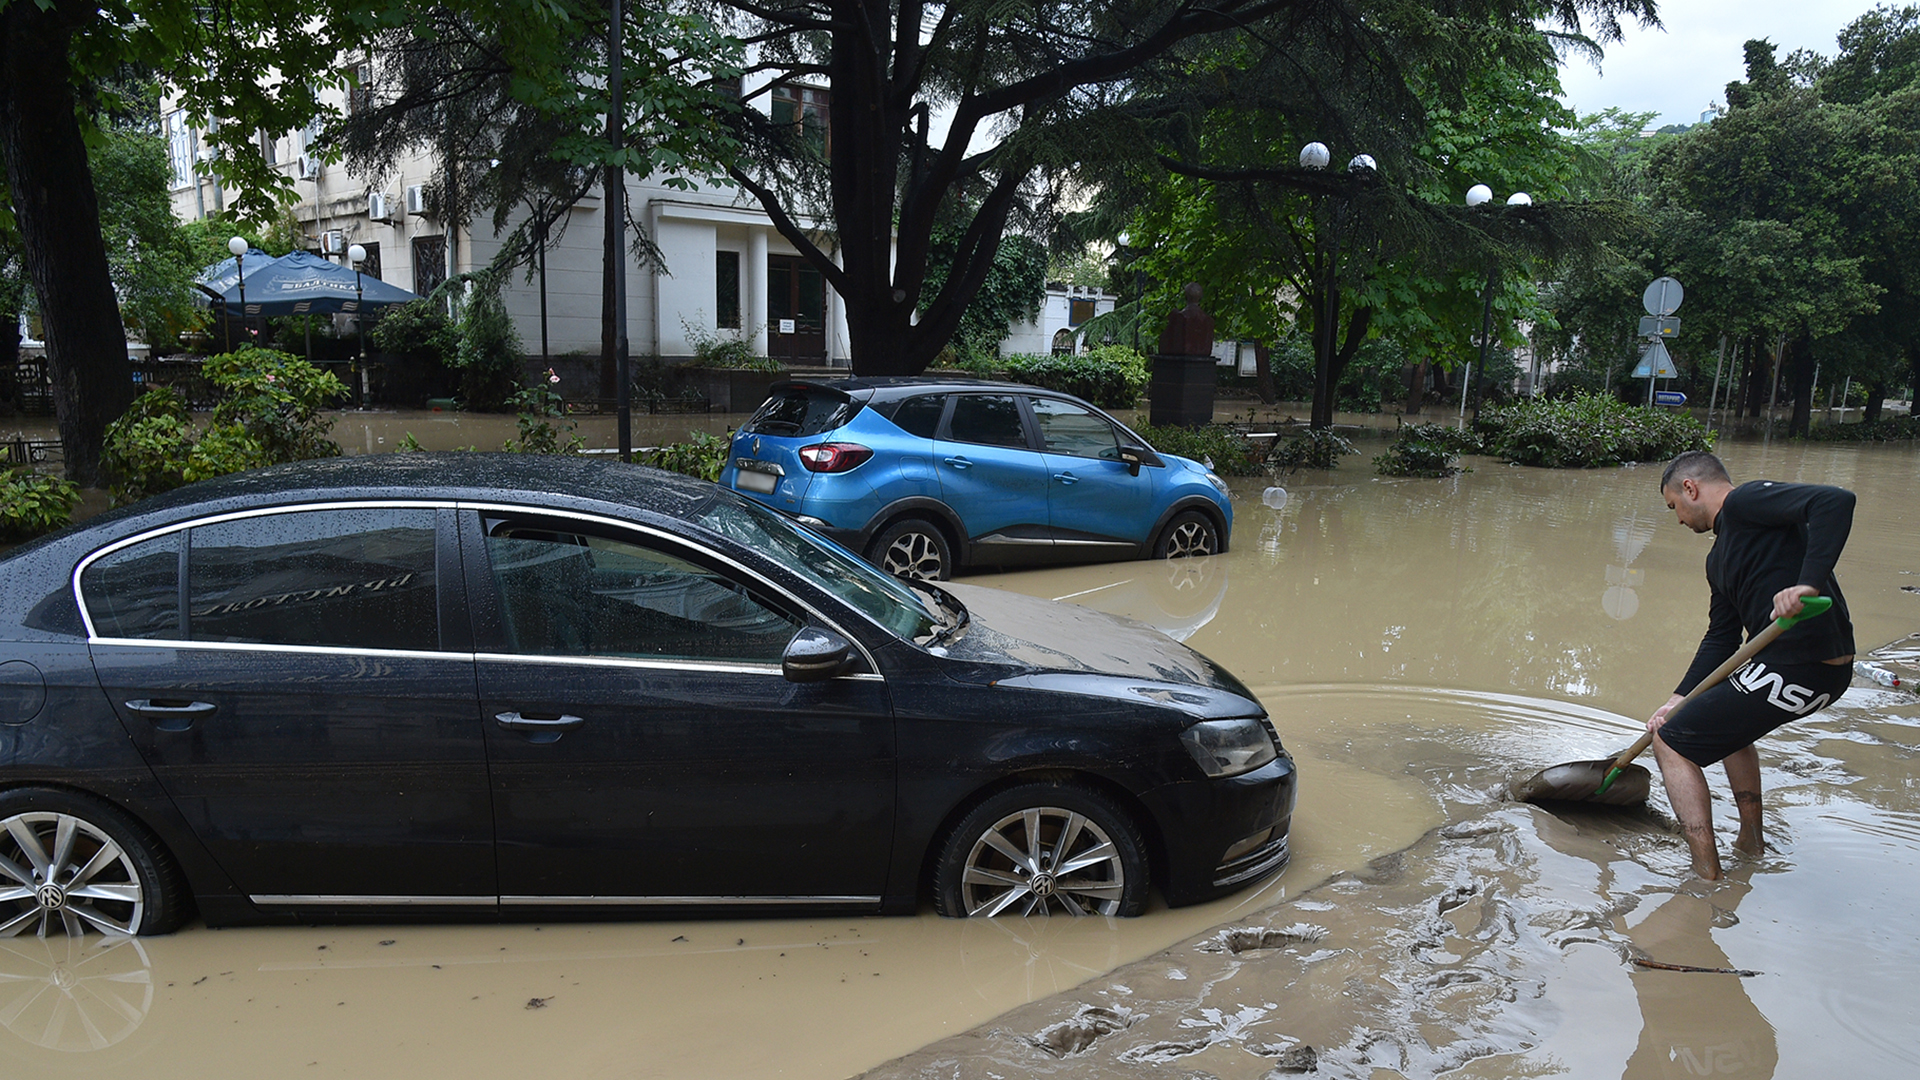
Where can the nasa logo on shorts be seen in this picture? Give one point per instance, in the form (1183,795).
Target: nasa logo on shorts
(1781,694)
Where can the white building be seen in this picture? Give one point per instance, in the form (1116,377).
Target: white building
(1056,329)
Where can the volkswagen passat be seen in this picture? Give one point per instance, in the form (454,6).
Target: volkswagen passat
(468,685)
(925,475)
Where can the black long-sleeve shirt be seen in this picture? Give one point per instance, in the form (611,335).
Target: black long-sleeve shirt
(1771,536)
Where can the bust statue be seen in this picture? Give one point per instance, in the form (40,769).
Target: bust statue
(1189,331)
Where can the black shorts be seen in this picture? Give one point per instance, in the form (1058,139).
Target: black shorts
(1751,702)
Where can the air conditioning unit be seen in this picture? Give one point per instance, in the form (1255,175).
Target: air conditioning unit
(377,208)
(416,201)
(332,242)
(310,167)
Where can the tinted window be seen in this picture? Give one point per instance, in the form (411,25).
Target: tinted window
(920,415)
(135,592)
(568,594)
(345,578)
(797,411)
(993,419)
(1070,429)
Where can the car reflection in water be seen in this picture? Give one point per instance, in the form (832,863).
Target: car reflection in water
(1176,597)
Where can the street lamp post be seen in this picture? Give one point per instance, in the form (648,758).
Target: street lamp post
(238,246)
(1480,195)
(357,255)
(1314,157)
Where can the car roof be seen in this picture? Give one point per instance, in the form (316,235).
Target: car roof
(872,388)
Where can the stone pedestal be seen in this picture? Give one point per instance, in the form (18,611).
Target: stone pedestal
(1181,387)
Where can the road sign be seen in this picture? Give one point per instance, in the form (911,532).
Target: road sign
(1669,397)
(1662,297)
(1655,363)
(1659,326)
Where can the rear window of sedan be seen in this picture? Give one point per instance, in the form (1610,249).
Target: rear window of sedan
(799,410)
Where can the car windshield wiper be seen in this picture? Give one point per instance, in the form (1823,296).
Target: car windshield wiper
(952,613)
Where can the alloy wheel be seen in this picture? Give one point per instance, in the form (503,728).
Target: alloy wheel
(62,871)
(1190,538)
(1040,860)
(913,555)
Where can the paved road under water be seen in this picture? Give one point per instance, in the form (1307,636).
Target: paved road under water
(1420,644)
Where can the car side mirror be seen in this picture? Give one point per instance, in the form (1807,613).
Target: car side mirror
(816,655)
(1134,457)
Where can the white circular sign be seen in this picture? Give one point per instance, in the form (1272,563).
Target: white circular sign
(1662,297)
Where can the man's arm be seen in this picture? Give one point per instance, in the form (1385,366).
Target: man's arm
(1722,639)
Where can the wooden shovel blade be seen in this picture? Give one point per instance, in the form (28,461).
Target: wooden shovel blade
(1579,781)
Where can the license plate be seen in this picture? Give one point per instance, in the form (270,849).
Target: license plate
(758,482)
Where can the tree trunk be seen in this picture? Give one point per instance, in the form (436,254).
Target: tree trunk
(1416,388)
(1263,374)
(1876,396)
(1756,395)
(59,220)
(1801,371)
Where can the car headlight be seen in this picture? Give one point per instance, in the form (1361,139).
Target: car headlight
(1225,748)
(1219,485)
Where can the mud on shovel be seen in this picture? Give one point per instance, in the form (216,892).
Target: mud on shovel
(1616,781)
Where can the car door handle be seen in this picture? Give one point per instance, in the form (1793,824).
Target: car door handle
(168,715)
(1066,478)
(959,462)
(539,729)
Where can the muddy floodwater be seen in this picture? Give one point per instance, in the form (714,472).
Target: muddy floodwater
(1420,644)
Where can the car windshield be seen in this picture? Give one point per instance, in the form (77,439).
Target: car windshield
(800,410)
(881,597)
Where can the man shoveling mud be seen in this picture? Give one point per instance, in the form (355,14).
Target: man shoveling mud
(1774,545)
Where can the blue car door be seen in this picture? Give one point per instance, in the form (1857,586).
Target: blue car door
(1095,501)
(992,477)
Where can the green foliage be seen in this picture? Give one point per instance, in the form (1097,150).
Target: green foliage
(409,445)
(1311,448)
(537,405)
(1012,292)
(1885,429)
(1230,451)
(268,412)
(32,504)
(1111,376)
(1588,431)
(1426,450)
(725,349)
(418,330)
(148,253)
(488,354)
(703,455)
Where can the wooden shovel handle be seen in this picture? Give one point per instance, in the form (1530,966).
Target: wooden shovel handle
(1745,653)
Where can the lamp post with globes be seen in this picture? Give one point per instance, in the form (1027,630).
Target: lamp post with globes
(238,246)
(1315,157)
(1480,195)
(357,254)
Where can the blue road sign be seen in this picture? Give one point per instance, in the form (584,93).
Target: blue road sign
(1669,397)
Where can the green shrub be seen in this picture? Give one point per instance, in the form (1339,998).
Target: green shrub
(488,355)
(703,455)
(1587,431)
(1312,448)
(1426,450)
(1885,429)
(725,349)
(32,504)
(537,405)
(267,411)
(418,330)
(1230,451)
(1111,376)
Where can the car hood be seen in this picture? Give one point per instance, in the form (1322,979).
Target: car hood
(1066,647)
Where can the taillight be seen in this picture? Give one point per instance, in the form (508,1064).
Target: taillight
(833,456)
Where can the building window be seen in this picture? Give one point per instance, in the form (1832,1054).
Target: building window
(1079,311)
(269,147)
(360,91)
(429,263)
(180,148)
(369,266)
(726,290)
(805,107)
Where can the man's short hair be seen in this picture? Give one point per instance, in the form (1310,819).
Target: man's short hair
(1696,465)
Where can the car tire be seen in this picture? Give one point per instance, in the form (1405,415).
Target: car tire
(131,885)
(1189,533)
(1004,856)
(913,548)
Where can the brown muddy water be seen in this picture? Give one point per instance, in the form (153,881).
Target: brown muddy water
(1420,644)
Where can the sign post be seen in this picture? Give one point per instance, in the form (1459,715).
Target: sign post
(1661,300)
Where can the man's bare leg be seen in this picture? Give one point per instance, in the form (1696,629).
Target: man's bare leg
(1743,772)
(1687,791)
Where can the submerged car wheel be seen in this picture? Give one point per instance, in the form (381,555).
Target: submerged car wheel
(1191,533)
(1042,848)
(70,863)
(914,548)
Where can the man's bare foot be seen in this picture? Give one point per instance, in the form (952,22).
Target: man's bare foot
(1750,843)
(1706,853)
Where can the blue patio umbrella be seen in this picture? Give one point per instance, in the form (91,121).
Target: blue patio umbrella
(220,276)
(305,284)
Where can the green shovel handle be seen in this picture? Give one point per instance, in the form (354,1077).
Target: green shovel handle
(1810,607)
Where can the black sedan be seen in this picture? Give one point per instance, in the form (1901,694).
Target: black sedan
(464,685)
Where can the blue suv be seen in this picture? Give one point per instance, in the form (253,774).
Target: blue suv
(926,476)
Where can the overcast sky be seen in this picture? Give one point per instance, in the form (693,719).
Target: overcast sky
(1678,70)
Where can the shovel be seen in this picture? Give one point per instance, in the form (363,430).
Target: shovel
(1617,781)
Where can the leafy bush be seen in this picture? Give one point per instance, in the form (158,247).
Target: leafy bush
(537,405)
(1426,450)
(1111,376)
(1885,429)
(267,412)
(725,349)
(1313,448)
(488,354)
(1587,431)
(32,504)
(418,330)
(703,455)
(1230,451)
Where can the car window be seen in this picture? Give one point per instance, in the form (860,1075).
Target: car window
(799,410)
(1066,428)
(354,578)
(573,594)
(991,419)
(920,415)
(135,592)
